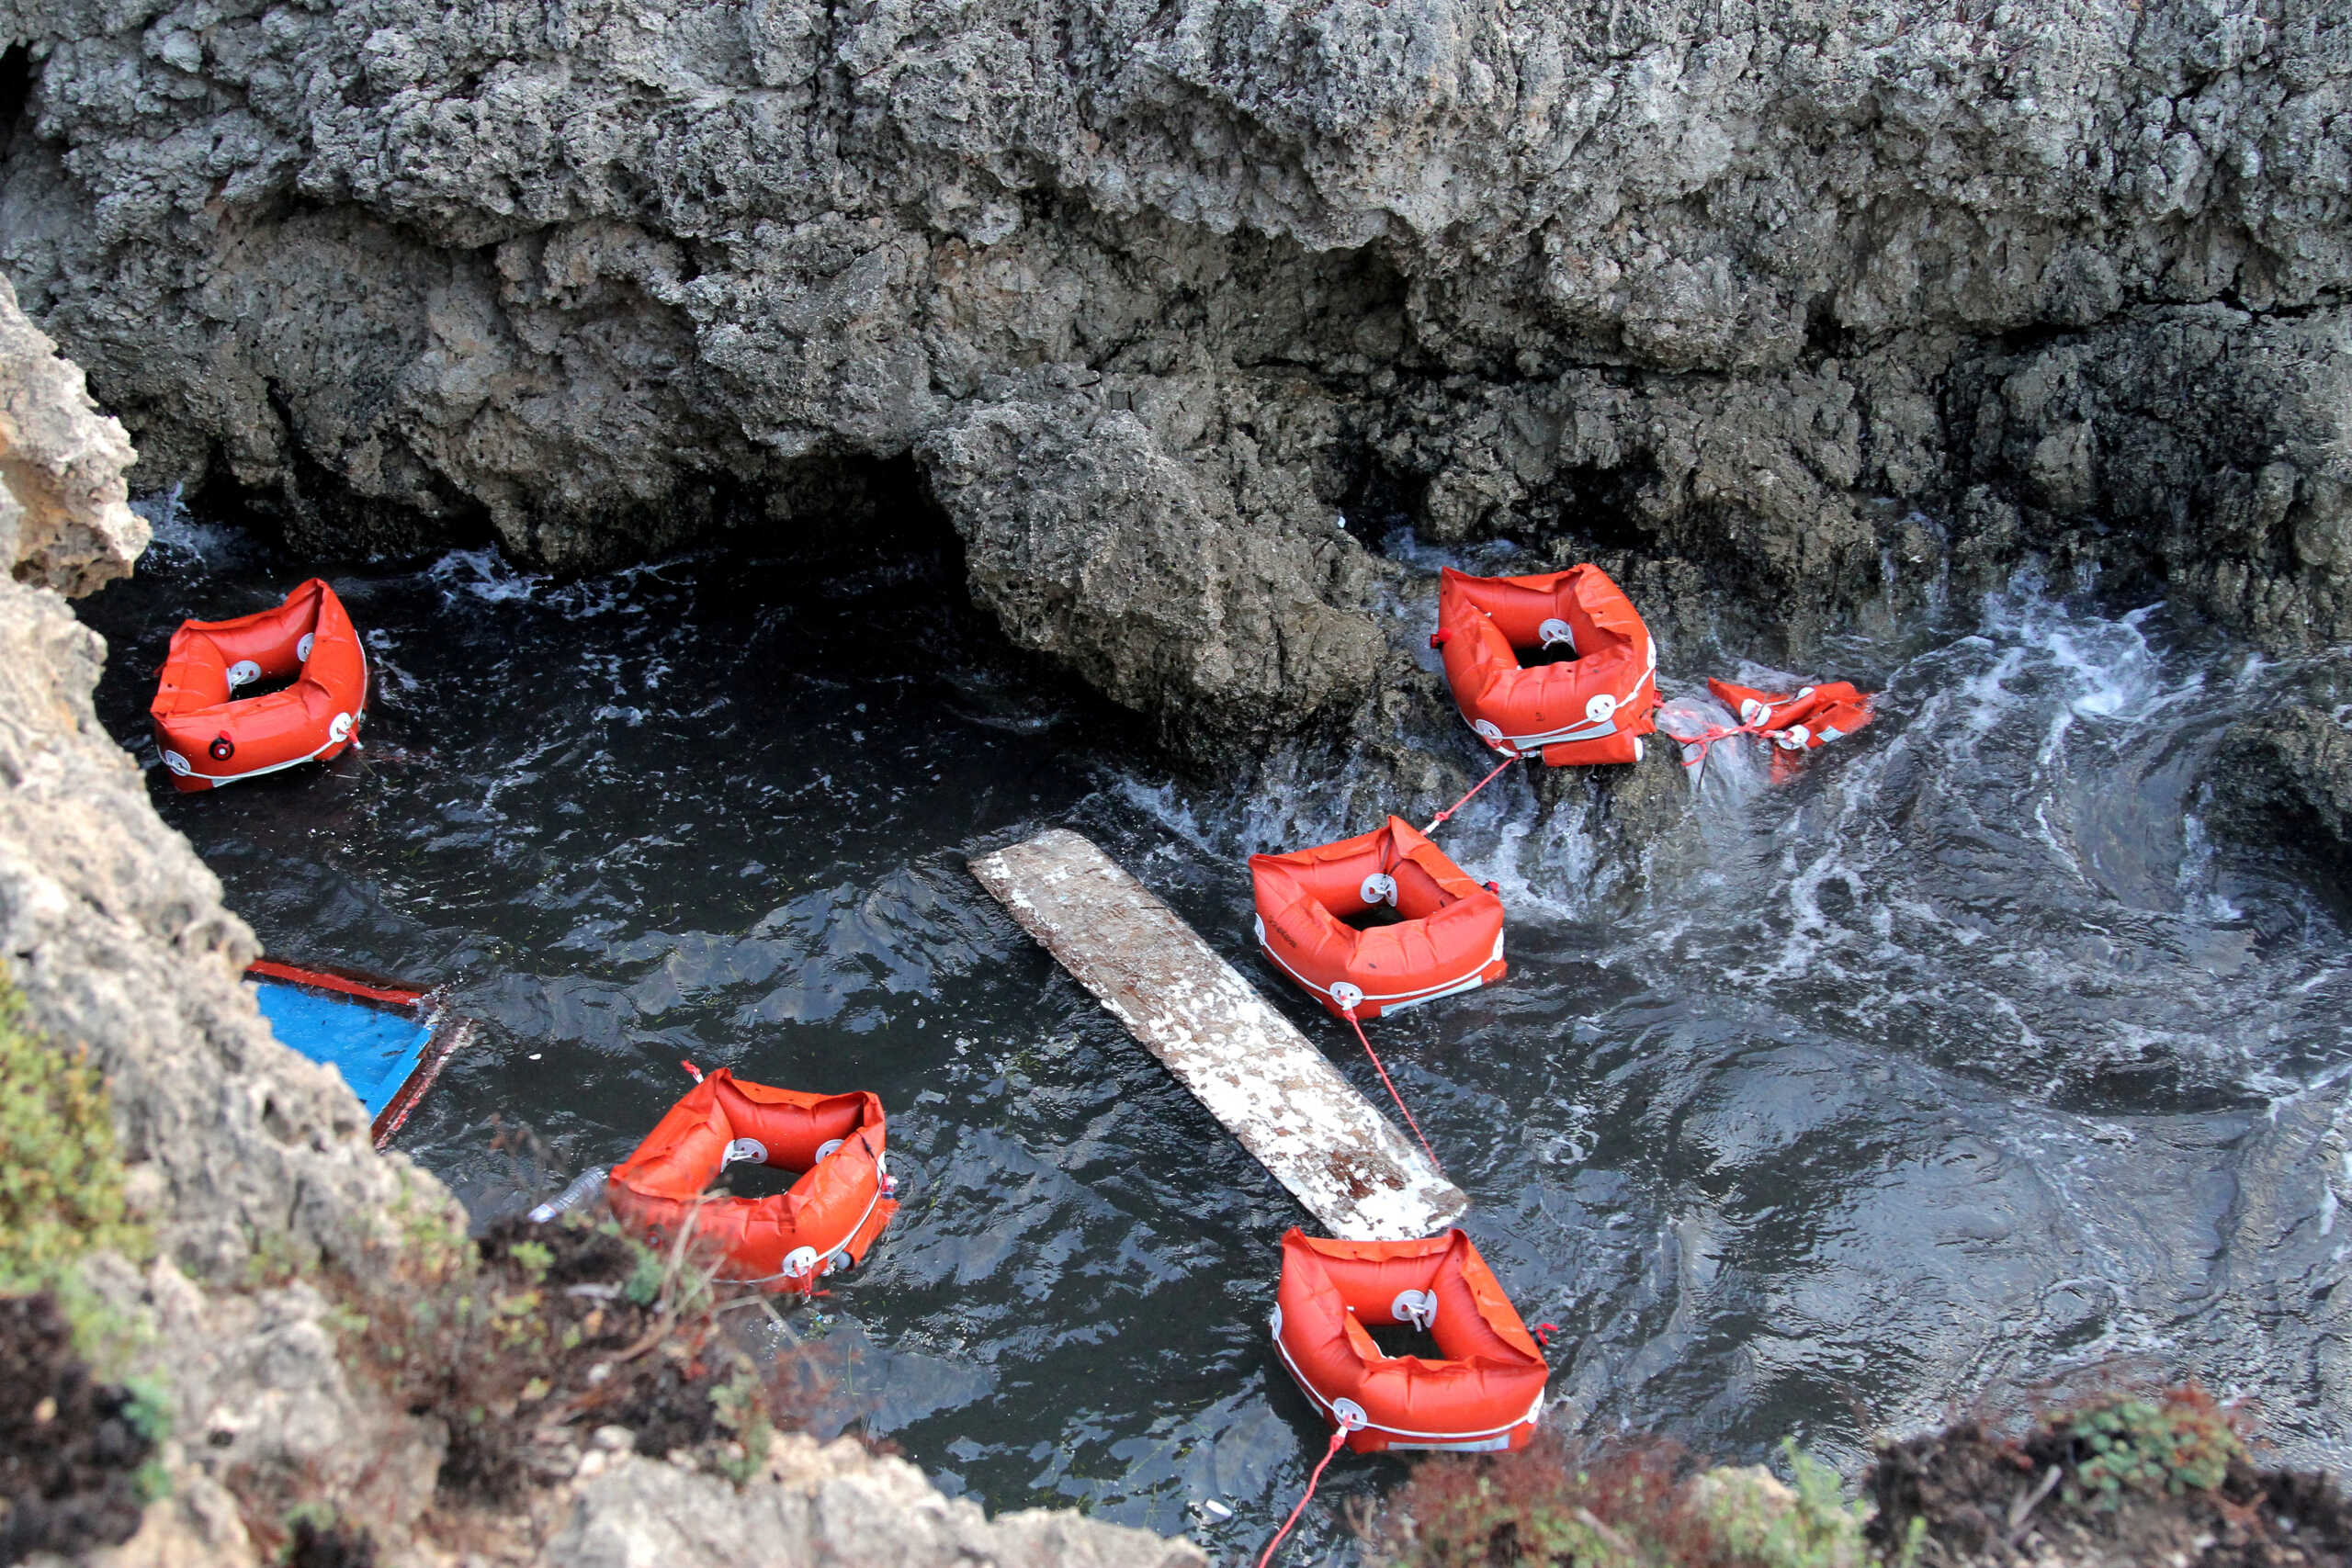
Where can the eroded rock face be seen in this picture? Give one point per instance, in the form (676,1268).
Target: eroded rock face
(65,518)
(1177,588)
(2283,775)
(1743,291)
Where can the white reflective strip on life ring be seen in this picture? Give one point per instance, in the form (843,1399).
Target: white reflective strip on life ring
(1532,1417)
(255,773)
(244,673)
(1569,736)
(1476,1446)
(1378,888)
(1399,1004)
(1388,1003)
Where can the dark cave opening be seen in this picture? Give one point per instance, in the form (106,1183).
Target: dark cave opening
(16,76)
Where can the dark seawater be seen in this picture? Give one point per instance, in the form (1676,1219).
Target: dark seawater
(1960,1061)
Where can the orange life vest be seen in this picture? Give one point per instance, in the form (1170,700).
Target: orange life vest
(1591,709)
(828,1219)
(209,737)
(1449,939)
(1806,721)
(1485,1395)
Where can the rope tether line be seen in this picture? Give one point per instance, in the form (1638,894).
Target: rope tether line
(1338,1436)
(1438,820)
(1351,1016)
(1706,740)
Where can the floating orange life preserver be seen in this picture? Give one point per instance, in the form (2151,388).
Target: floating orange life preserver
(826,1222)
(1486,1394)
(1807,721)
(209,737)
(1592,708)
(1449,939)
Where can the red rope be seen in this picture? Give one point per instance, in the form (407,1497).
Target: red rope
(1438,820)
(1337,1437)
(1351,1016)
(1707,737)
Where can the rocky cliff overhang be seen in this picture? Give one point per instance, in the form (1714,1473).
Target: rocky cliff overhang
(1794,306)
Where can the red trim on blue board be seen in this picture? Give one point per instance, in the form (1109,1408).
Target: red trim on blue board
(269,969)
(444,1043)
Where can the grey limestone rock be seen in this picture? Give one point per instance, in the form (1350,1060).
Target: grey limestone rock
(65,518)
(1727,288)
(1174,594)
(834,1503)
(2203,448)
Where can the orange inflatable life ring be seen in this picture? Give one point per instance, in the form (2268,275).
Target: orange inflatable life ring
(1806,721)
(1450,939)
(1485,1396)
(826,1222)
(1593,707)
(210,737)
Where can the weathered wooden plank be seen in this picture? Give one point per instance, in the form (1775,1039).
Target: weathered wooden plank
(1361,1177)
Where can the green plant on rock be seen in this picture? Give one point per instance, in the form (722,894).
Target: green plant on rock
(2171,1445)
(1561,1504)
(740,1407)
(61,1176)
(1808,1524)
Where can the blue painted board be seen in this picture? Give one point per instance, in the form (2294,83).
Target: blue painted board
(374,1046)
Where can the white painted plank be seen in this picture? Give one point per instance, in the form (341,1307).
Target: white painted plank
(1360,1177)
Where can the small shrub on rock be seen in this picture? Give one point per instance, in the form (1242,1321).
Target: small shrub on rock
(2129,1476)
(539,1334)
(2175,1443)
(61,1178)
(1560,1504)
